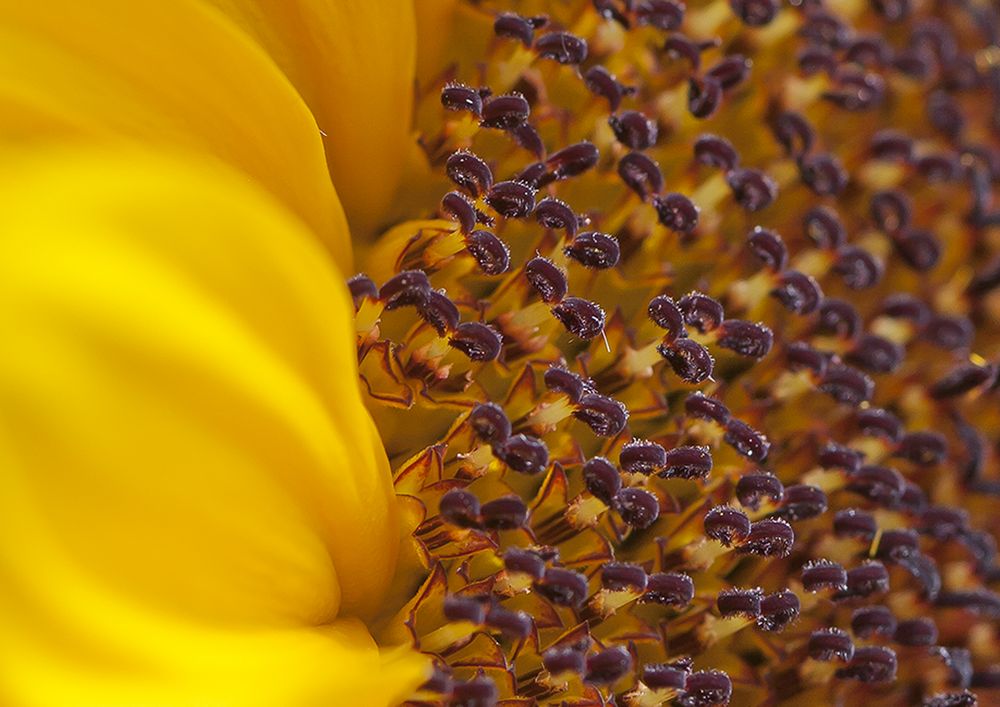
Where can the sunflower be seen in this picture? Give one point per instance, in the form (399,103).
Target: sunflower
(520,352)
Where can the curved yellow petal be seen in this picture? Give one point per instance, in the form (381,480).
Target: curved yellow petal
(194,500)
(353,62)
(170,73)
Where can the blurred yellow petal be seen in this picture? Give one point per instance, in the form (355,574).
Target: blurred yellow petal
(195,501)
(434,21)
(170,73)
(353,62)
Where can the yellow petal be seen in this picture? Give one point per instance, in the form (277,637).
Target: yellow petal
(353,62)
(194,499)
(172,73)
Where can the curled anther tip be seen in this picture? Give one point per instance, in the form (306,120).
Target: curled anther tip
(727,525)
(623,577)
(523,453)
(823,226)
(701,311)
(641,174)
(580,317)
(752,189)
(752,489)
(633,129)
(923,448)
(642,457)
(715,151)
(504,513)
(704,96)
(701,406)
(557,215)
(573,160)
(515,624)
(740,602)
(663,676)
(865,580)
(562,587)
(881,484)
(605,416)
(823,173)
(525,562)
(595,250)
(505,112)
(891,210)
(638,507)
(769,247)
(916,632)
(731,71)
(801,502)
(755,13)
(830,644)
(469,172)
(608,666)
(706,687)
(950,333)
(847,385)
(562,380)
(747,441)
(512,199)
(858,268)
(951,699)
(459,97)
(439,312)
(668,589)
(836,456)
(778,610)
(513,26)
(460,508)
(689,360)
(892,145)
(818,575)
(856,91)
(687,462)
(870,621)
(361,288)
(602,479)
(602,83)
(876,354)
(460,209)
(677,212)
(745,338)
(404,289)
(663,14)
(798,292)
(803,357)
(794,133)
(962,379)
(527,137)
(559,661)
(665,313)
(680,46)
(491,254)
(478,341)
(548,280)
(877,422)
(770,537)
(870,664)
(816,60)
(852,522)
(562,47)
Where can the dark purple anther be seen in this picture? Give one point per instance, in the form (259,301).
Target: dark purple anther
(602,479)
(740,602)
(802,356)
(406,288)
(608,666)
(747,441)
(877,422)
(913,499)
(941,167)
(745,338)
(460,507)
(534,175)
(794,133)
(469,172)
(891,211)
(706,687)
(838,318)
(690,360)
(801,502)
(642,457)
(870,621)
(623,577)
(505,112)
(478,692)
(858,268)
(459,209)
(856,90)
(527,137)
(462,608)
(847,385)
(689,462)
(962,379)
(771,537)
(518,561)
(916,632)
(677,212)
(944,523)
(952,699)
(512,199)
(731,71)
(823,173)
(880,484)
(547,279)
(478,341)
(871,664)
(818,575)
(582,318)
(679,46)
(715,151)
(634,130)
(704,96)
(945,115)
(665,313)
(830,644)
(897,544)
(663,676)
(662,14)
(700,405)
(950,333)
(959,664)
(593,249)
(564,381)
(668,589)
(602,83)
(904,306)
(751,489)
(778,610)
(836,456)
(919,249)
(515,624)
(923,448)
(489,423)
(727,525)
(752,189)
(562,47)
(768,246)
(504,513)
(855,523)
(459,97)
(815,60)
(514,26)
(870,51)
(980,602)
(522,453)
(573,160)
(490,253)
(361,288)
(755,13)
(564,660)
(824,227)
(875,354)
(605,416)
(563,587)
(891,145)
(637,507)
(701,311)
(798,292)
(557,215)
(640,174)
(865,580)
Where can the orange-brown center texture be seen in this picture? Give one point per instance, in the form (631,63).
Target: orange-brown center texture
(686,357)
